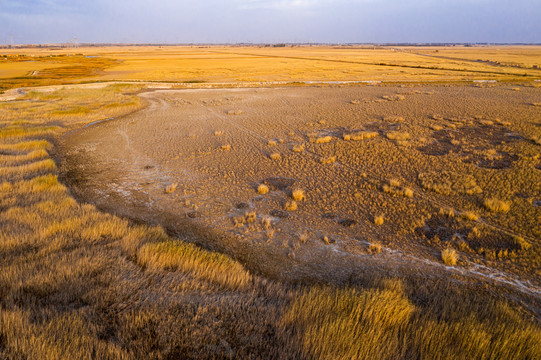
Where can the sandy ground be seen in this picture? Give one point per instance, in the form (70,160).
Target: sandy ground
(214,148)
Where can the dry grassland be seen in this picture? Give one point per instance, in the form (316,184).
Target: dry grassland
(215,64)
(78,283)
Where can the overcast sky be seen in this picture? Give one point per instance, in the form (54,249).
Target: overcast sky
(270,21)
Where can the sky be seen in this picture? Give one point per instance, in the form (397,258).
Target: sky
(270,21)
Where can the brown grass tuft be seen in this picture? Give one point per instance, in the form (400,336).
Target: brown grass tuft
(360,135)
(397,135)
(262,189)
(321,139)
(298,195)
(468,215)
(275,156)
(171,188)
(496,205)
(291,205)
(374,248)
(327,160)
(449,256)
(298,148)
(521,243)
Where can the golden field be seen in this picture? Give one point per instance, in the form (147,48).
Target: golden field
(80,283)
(268,64)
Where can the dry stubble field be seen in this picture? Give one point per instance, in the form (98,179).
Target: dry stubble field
(415,233)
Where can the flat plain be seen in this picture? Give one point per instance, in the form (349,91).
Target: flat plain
(260,202)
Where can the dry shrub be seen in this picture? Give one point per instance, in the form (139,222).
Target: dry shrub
(226,147)
(521,243)
(468,215)
(212,266)
(408,192)
(393,187)
(218,133)
(321,140)
(328,240)
(327,160)
(272,142)
(359,135)
(374,248)
(398,135)
(171,188)
(449,256)
(239,221)
(378,220)
(496,205)
(275,156)
(298,195)
(266,222)
(262,189)
(448,212)
(250,217)
(291,205)
(298,148)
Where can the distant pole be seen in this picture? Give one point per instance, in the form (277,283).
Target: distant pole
(11,40)
(75,43)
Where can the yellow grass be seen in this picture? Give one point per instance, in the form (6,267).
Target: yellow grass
(175,255)
(262,189)
(15,172)
(26,146)
(23,158)
(360,135)
(298,195)
(321,139)
(375,248)
(496,205)
(18,131)
(348,324)
(327,160)
(397,135)
(468,215)
(298,148)
(449,256)
(291,205)
(171,188)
